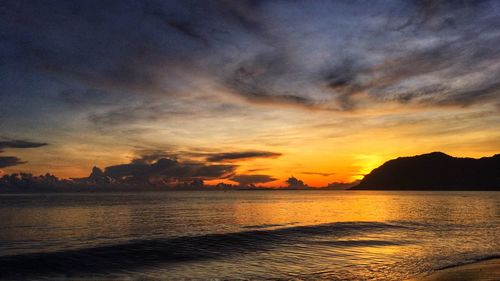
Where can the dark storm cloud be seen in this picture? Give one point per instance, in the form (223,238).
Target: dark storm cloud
(20,144)
(114,45)
(8,161)
(127,45)
(183,26)
(245,180)
(445,39)
(437,14)
(334,55)
(131,114)
(140,171)
(148,156)
(256,80)
(200,155)
(160,166)
(236,156)
(86,98)
(467,46)
(343,79)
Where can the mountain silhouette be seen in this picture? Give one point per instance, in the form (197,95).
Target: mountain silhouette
(434,171)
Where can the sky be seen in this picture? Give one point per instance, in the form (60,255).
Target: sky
(246,91)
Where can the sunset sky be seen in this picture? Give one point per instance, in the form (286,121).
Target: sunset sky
(257,90)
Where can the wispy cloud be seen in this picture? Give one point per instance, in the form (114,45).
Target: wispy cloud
(318,173)
(243,155)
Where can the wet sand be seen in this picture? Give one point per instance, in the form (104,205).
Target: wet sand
(488,270)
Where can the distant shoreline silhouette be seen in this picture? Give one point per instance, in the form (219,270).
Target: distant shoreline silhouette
(434,171)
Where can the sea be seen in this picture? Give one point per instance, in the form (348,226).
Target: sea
(244,235)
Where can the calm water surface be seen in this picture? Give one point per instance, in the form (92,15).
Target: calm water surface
(331,235)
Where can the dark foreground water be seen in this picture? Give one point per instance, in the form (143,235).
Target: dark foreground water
(245,234)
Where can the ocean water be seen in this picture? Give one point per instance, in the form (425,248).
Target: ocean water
(245,235)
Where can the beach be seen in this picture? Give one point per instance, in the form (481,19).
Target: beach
(488,270)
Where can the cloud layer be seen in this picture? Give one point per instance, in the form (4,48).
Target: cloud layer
(238,156)
(439,53)
(9,161)
(247,180)
(166,171)
(244,79)
(19,144)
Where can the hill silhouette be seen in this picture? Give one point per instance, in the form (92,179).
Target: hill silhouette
(434,171)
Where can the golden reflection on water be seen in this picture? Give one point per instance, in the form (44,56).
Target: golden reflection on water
(430,228)
(322,208)
(164,214)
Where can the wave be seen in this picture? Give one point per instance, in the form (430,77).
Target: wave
(471,261)
(140,253)
(360,243)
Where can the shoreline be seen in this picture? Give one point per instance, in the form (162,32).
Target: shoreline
(484,270)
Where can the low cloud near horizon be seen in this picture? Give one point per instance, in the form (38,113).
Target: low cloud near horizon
(9,161)
(167,170)
(237,156)
(245,180)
